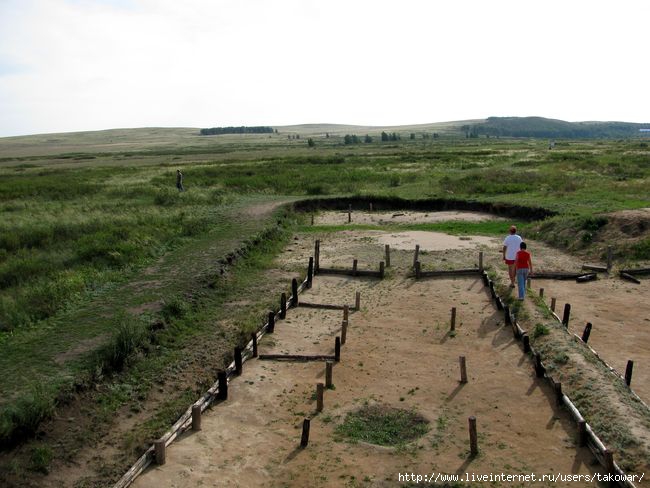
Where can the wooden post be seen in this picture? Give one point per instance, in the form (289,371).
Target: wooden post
(506,314)
(349,213)
(294,292)
(529,284)
(320,389)
(453,319)
(354,267)
(492,292)
(473,437)
(328,374)
(312,219)
(337,349)
(417,252)
(628,372)
(371,206)
(283,306)
(553,300)
(344,331)
(310,272)
(608,458)
(160,450)
(586,333)
(566,315)
(196,417)
(582,432)
(539,369)
(238,360)
(271,327)
(463,369)
(346,312)
(526,341)
(357,301)
(387,249)
(480,261)
(541,293)
(254,339)
(316,256)
(609,259)
(304,439)
(223,385)
(558,393)
(381,270)
(417,270)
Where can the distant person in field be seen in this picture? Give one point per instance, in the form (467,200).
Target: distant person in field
(510,248)
(179,180)
(524,265)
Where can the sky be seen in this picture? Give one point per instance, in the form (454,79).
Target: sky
(74,65)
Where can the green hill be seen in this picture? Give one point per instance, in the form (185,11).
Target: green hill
(552,128)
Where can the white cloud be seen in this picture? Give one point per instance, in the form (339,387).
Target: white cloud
(83,64)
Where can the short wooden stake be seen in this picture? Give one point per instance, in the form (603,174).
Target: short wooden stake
(492,292)
(526,341)
(320,389)
(349,213)
(541,293)
(418,269)
(222,377)
(416,255)
(608,458)
(463,369)
(529,284)
(582,432)
(312,219)
(316,256)
(238,360)
(381,270)
(480,261)
(160,449)
(294,292)
(254,339)
(473,437)
(371,206)
(628,372)
(337,349)
(558,393)
(344,331)
(453,319)
(354,267)
(196,417)
(271,327)
(310,272)
(346,312)
(387,249)
(357,301)
(539,368)
(566,315)
(586,333)
(553,301)
(304,439)
(329,365)
(609,258)
(283,306)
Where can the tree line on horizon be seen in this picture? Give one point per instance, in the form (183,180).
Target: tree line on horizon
(213,131)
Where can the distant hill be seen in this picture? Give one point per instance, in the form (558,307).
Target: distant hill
(552,128)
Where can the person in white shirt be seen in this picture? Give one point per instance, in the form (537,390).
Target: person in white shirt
(510,248)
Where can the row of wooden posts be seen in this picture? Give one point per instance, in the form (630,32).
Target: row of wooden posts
(586,436)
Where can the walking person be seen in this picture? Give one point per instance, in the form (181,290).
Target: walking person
(524,265)
(179,180)
(510,249)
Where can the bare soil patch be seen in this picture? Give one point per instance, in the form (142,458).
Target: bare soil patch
(400,354)
(400,217)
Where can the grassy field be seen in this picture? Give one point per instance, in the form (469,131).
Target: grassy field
(96,244)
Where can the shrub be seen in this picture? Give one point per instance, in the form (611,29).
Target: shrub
(129,337)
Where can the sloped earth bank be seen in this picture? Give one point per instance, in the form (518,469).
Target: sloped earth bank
(399,353)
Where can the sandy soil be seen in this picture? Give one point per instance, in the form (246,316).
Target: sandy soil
(399,353)
(399,217)
(433,241)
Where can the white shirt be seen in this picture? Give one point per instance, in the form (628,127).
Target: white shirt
(511,244)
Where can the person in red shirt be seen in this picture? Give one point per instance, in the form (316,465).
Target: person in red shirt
(524,266)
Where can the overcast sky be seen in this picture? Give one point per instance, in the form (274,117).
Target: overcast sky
(69,65)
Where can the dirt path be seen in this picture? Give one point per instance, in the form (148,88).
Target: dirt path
(399,353)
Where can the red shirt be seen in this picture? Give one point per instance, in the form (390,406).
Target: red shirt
(522,260)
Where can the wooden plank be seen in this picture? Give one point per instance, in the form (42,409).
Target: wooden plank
(587,277)
(452,272)
(639,271)
(295,357)
(325,306)
(349,272)
(595,267)
(555,275)
(629,277)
